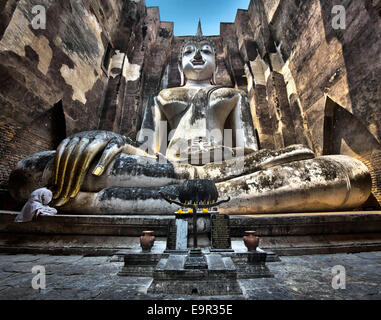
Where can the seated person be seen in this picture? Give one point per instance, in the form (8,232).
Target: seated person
(38,204)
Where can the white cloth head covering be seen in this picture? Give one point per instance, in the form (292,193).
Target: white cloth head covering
(38,200)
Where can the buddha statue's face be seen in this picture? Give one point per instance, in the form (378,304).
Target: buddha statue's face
(198,61)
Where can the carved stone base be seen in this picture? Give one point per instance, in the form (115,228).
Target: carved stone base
(218,278)
(139,264)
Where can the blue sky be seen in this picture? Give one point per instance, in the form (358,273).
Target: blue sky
(185,14)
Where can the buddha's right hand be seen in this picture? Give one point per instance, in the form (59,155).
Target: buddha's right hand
(75,154)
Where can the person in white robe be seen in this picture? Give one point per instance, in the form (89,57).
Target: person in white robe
(37,204)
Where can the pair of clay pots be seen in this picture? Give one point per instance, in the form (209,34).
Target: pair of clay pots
(251,241)
(147,240)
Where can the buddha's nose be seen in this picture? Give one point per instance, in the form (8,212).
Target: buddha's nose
(198,55)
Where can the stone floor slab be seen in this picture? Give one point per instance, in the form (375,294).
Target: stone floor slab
(295,278)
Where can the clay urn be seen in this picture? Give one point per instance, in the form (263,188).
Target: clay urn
(147,240)
(251,241)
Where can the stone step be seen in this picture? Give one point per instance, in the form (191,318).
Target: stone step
(213,288)
(111,245)
(285,234)
(174,262)
(301,224)
(86,224)
(324,244)
(217,262)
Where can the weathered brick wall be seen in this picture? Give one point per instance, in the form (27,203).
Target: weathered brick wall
(344,64)
(62,63)
(18,146)
(44,133)
(317,60)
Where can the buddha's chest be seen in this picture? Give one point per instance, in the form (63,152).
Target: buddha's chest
(206,111)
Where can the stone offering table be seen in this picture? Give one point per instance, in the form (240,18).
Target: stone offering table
(201,272)
(218,278)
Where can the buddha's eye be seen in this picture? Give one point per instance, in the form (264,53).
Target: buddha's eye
(206,50)
(188,50)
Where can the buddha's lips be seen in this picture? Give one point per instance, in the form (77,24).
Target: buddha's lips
(198,62)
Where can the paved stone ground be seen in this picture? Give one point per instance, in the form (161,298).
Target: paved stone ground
(296,278)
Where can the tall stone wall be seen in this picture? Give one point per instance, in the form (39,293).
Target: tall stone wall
(97,64)
(294,50)
(58,72)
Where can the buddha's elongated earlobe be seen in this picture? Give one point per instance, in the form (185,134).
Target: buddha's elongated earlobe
(213,81)
(182,76)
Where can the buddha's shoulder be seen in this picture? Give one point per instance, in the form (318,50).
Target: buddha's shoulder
(227,93)
(169,95)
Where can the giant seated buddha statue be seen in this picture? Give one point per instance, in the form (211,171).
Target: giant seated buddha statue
(196,131)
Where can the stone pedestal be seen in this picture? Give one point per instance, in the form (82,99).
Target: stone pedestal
(139,264)
(198,272)
(252,265)
(218,278)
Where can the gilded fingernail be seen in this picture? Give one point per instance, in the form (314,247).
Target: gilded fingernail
(98,170)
